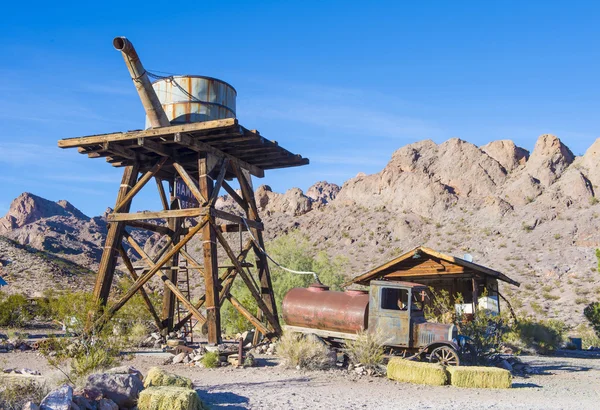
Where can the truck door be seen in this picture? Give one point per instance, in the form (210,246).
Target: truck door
(389,313)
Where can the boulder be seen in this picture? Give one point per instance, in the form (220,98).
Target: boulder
(158,377)
(123,389)
(179,358)
(107,404)
(59,399)
(30,406)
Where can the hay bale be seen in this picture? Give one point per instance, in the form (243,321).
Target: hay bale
(169,398)
(480,377)
(158,377)
(416,372)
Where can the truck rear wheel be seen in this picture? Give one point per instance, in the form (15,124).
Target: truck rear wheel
(444,355)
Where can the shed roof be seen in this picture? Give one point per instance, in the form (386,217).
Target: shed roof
(422,261)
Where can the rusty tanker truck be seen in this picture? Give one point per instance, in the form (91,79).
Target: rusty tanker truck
(392,309)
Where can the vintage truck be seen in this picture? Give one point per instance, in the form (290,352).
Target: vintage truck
(394,309)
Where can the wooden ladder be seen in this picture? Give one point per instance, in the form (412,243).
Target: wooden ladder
(183,283)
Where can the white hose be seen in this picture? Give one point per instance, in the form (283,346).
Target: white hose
(274,261)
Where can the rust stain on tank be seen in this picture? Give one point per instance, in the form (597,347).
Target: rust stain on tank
(319,308)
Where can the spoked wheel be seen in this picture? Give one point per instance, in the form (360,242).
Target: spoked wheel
(445,356)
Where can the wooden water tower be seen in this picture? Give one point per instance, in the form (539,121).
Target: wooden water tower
(196,147)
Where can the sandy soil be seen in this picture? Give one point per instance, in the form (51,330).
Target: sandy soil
(562,383)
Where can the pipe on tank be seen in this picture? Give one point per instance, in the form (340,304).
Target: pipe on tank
(154,111)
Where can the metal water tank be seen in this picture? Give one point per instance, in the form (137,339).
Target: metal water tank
(195,98)
(317,307)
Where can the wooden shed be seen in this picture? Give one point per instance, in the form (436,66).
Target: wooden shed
(440,271)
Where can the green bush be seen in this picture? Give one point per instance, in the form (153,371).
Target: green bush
(592,314)
(294,251)
(486,332)
(14,311)
(542,336)
(441,306)
(211,360)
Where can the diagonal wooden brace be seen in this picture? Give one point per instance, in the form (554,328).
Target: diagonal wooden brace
(148,275)
(140,184)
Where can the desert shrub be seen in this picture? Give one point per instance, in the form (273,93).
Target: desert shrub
(294,251)
(13,396)
(211,360)
(14,311)
(137,333)
(588,336)
(486,332)
(592,314)
(441,306)
(542,336)
(92,358)
(366,350)
(298,350)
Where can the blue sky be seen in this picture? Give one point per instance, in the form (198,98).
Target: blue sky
(343,83)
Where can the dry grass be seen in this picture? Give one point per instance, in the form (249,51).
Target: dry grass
(169,398)
(211,360)
(158,377)
(480,377)
(306,352)
(366,350)
(13,395)
(416,372)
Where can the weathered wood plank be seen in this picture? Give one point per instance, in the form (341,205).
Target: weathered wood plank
(152,132)
(200,146)
(140,184)
(187,179)
(217,213)
(176,213)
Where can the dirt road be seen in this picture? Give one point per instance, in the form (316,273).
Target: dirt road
(562,383)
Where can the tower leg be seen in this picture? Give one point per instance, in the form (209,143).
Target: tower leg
(169,299)
(113,240)
(211,268)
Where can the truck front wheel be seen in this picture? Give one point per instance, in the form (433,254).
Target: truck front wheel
(444,355)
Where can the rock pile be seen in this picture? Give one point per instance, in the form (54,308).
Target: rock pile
(124,388)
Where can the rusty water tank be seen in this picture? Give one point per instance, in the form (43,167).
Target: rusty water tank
(195,98)
(317,307)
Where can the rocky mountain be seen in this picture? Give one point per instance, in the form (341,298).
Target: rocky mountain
(533,216)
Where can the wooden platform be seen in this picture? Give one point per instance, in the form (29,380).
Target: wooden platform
(181,143)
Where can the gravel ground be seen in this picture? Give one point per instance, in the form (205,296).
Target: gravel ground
(562,383)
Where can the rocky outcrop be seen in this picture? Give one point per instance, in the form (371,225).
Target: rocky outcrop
(322,192)
(28,208)
(507,154)
(550,158)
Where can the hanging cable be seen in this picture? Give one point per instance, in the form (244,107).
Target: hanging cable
(274,261)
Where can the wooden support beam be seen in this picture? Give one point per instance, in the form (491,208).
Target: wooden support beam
(217,213)
(113,240)
(191,261)
(247,280)
(175,213)
(146,276)
(118,150)
(246,313)
(219,182)
(243,204)
(168,282)
(262,265)
(189,182)
(232,227)
(163,230)
(140,184)
(161,193)
(142,291)
(200,146)
(225,281)
(211,268)
(155,147)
